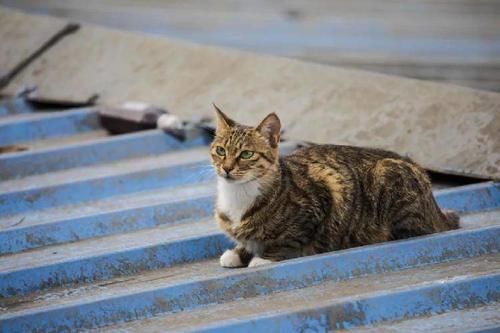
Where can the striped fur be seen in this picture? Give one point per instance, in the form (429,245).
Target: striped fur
(321,198)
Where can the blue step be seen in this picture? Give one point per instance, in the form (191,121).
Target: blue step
(182,289)
(117,233)
(98,151)
(39,126)
(19,280)
(105,258)
(482,318)
(369,309)
(148,209)
(98,182)
(15,106)
(118,214)
(476,197)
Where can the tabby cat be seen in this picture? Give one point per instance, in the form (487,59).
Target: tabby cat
(320,198)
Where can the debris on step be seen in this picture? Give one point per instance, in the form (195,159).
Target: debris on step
(12,149)
(137,116)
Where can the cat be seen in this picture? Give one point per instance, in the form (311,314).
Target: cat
(320,198)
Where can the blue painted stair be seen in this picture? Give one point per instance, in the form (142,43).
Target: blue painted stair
(115,233)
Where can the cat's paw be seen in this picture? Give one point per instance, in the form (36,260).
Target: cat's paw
(230,259)
(258,261)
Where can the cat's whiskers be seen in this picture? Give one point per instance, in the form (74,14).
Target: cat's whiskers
(200,172)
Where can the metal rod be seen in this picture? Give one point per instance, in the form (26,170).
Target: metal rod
(68,29)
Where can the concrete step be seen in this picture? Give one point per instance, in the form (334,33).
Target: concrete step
(117,214)
(343,304)
(107,257)
(91,152)
(101,181)
(190,286)
(208,270)
(39,126)
(36,115)
(478,319)
(146,209)
(475,197)
(59,141)
(96,182)
(75,218)
(111,231)
(14,106)
(481,219)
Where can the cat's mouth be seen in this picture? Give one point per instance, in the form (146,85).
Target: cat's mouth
(229,178)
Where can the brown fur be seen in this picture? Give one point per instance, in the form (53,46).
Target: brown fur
(322,197)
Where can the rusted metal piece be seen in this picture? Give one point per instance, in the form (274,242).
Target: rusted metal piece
(130,117)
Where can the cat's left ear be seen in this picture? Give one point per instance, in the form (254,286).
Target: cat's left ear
(223,121)
(270,128)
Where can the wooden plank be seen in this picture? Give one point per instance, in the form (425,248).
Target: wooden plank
(442,127)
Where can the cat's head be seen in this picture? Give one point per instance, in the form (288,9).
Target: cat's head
(241,153)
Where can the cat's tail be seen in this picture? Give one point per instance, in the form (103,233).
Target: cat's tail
(452,220)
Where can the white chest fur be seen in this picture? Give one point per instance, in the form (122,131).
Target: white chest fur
(235,199)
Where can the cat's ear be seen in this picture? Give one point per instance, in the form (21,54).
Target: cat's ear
(223,121)
(270,128)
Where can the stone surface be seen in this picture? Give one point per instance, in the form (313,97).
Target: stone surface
(19,38)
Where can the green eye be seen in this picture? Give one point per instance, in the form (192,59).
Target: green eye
(220,151)
(246,154)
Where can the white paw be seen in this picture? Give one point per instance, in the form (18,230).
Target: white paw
(230,259)
(258,261)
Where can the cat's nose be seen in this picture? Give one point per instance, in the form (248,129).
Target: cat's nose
(227,169)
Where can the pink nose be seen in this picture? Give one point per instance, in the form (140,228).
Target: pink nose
(227,169)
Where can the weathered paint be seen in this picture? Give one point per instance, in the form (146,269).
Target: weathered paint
(477,319)
(97,151)
(79,195)
(44,126)
(394,305)
(465,199)
(63,190)
(108,265)
(96,188)
(470,198)
(14,106)
(61,273)
(237,284)
(103,224)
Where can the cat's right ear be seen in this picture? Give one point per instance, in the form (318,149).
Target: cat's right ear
(270,127)
(223,121)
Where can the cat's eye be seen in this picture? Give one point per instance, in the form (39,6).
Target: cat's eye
(220,151)
(246,154)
